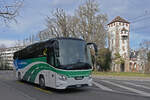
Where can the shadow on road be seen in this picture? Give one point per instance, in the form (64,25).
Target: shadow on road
(62,91)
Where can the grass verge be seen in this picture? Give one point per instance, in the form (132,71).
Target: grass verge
(126,74)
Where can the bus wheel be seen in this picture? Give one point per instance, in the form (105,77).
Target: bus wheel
(19,76)
(42,81)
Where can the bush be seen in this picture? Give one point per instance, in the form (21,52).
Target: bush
(103,59)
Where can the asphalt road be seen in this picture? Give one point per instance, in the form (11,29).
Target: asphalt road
(103,89)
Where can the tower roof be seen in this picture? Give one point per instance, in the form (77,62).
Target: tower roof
(119,19)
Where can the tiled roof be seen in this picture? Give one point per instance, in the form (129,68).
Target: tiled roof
(119,19)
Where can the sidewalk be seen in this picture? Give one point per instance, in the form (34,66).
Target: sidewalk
(122,78)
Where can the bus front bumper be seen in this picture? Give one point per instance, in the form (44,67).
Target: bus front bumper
(73,83)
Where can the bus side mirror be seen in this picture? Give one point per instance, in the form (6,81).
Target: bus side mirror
(95,47)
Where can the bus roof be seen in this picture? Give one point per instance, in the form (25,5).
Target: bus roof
(43,44)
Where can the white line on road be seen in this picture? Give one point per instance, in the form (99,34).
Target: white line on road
(129,83)
(131,89)
(102,87)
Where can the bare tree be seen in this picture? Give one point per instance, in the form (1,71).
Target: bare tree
(43,35)
(145,44)
(73,26)
(9,12)
(87,23)
(143,55)
(92,23)
(57,25)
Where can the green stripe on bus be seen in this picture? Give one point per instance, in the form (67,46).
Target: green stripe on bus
(39,67)
(29,61)
(29,72)
(34,75)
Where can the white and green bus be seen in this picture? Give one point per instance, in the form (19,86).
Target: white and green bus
(58,63)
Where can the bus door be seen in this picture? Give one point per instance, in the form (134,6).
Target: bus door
(51,62)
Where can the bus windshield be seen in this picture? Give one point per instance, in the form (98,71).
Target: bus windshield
(74,54)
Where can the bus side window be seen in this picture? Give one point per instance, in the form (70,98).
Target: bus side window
(50,56)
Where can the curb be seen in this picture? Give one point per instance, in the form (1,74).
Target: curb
(123,78)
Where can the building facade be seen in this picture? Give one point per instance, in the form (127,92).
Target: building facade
(134,61)
(138,60)
(118,40)
(7,54)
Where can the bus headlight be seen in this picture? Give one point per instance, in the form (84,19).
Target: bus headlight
(90,76)
(62,77)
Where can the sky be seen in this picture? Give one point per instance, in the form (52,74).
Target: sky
(32,16)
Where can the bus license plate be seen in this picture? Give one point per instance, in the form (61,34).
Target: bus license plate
(79,77)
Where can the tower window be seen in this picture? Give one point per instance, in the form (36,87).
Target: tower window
(124,37)
(123,48)
(119,23)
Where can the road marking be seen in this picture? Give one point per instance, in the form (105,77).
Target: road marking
(43,90)
(102,87)
(129,83)
(46,91)
(131,89)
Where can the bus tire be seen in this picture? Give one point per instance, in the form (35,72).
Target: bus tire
(42,81)
(19,76)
